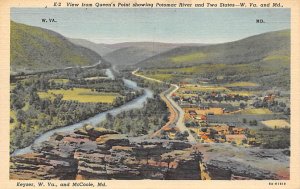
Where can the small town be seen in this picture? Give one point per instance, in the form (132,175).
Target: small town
(200,108)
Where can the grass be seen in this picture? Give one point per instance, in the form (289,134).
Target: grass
(202,68)
(242,84)
(95,78)
(21,57)
(203,88)
(270,65)
(188,57)
(276,123)
(214,89)
(59,81)
(186,95)
(216,111)
(159,76)
(12,86)
(211,88)
(81,95)
(242,93)
(257,111)
(277,57)
(13,115)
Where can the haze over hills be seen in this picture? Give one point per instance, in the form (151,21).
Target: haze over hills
(99,48)
(132,53)
(38,49)
(128,53)
(263,58)
(247,50)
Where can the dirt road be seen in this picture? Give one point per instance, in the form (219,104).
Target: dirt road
(176,118)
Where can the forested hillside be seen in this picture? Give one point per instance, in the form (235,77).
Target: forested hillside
(263,58)
(37,49)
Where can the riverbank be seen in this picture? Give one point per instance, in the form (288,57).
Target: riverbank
(135,103)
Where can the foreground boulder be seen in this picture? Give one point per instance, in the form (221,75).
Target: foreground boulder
(97,153)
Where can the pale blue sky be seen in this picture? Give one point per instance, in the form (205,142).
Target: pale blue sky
(162,25)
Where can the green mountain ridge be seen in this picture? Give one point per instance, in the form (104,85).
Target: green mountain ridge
(247,50)
(37,49)
(263,58)
(128,53)
(131,53)
(100,48)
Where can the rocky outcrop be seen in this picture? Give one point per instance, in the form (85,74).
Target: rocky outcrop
(228,162)
(38,166)
(232,170)
(97,153)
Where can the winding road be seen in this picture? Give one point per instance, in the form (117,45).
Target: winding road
(176,118)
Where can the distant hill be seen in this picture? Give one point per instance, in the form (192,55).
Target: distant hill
(99,48)
(263,58)
(128,53)
(37,49)
(247,50)
(132,53)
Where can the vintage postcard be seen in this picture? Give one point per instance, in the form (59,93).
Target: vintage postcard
(144,94)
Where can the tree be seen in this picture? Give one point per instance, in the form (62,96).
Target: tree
(128,127)
(242,105)
(212,133)
(109,117)
(21,116)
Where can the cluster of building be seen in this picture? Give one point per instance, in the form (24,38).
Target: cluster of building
(269,98)
(223,133)
(197,114)
(196,119)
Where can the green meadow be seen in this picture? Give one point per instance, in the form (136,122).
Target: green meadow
(81,95)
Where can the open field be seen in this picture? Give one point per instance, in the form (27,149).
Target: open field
(277,57)
(188,57)
(214,111)
(158,76)
(59,81)
(256,111)
(12,86)
(186,95)
(243,93)
(95,78)
(81,95)
(14,117)
(276,123)
(242,84)
(212,88)
(203,88)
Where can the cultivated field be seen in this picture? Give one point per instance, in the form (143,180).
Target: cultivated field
(158,76)
(203,88)
(256,111)
(214,111)
(59,81)
(81,95)
(95,78)
(188,57)
(242,84)
(276,123)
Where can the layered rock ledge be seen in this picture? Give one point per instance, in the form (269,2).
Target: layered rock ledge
(97,153)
